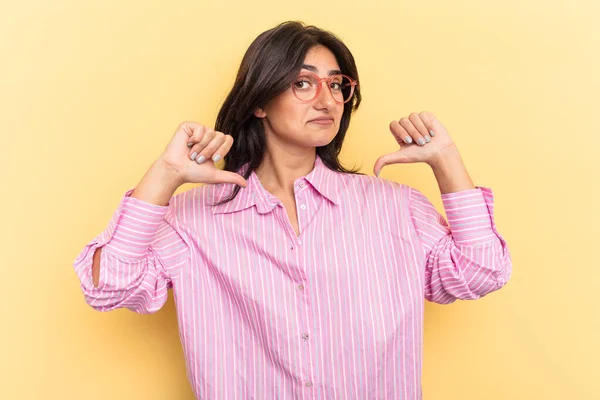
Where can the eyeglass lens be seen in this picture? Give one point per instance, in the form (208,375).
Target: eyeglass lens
(306,86)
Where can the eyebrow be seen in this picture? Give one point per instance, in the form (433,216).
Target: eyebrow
(314,69)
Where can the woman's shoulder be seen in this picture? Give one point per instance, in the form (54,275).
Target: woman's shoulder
(372,186)
(199,199)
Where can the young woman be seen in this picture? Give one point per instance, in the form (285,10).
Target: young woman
(292,276)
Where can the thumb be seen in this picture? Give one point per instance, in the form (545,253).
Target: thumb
(230,177)
(391,158)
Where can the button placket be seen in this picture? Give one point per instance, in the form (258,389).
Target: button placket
(301,206)
(304,328)
(309,369)
(303,304)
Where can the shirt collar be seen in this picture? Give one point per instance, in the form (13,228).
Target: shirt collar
(323,179)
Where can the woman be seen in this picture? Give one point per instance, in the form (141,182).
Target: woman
(292,276)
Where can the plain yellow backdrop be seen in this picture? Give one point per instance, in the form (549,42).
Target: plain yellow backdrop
(91,92)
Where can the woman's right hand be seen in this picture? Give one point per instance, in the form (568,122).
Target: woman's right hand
(192,141)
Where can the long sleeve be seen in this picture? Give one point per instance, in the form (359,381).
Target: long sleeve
(466,258)
(141,253)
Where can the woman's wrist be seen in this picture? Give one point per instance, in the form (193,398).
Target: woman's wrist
(450,171)
(158,184)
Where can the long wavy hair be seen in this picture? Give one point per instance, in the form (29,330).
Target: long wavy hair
(268,68)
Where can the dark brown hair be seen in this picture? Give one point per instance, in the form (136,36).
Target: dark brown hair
(270,65)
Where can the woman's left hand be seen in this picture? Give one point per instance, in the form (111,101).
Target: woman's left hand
(422,139)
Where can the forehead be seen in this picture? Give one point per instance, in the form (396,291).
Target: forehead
(322,58)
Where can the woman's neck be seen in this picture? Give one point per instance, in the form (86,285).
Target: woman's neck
(279,170)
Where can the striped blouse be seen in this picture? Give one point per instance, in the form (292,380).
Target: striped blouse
(334,313)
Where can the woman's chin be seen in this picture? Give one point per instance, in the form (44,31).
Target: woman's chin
(322,138)
(321,141)
(314,139)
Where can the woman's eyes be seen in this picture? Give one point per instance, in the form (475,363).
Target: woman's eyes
(302,84)
(307,83)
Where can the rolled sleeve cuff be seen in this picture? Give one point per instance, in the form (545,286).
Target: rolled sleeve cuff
(470,214)
(133,227)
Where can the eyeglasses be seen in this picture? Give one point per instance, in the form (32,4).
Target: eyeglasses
(308,87)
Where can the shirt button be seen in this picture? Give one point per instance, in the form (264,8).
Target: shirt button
(308,384)
(302,184)
(300,287)
(303,207)
(305,336)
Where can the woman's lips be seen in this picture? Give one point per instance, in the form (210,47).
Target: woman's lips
(322,121)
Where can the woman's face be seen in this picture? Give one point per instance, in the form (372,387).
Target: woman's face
(290,121)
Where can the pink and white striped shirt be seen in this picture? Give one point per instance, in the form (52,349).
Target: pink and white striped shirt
(334,313)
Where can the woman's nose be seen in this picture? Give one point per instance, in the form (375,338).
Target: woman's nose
(325,97)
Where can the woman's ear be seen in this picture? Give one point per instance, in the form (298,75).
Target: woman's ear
(260,113)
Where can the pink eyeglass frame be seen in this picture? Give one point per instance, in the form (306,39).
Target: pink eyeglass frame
(327,79)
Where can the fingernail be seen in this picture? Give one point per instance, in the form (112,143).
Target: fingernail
(216,157)
(193,156)
(190,144)
(421,141)
(200,159)
(408,139)
(431,133)
(427,138)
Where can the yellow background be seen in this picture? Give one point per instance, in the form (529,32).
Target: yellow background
(91,91)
